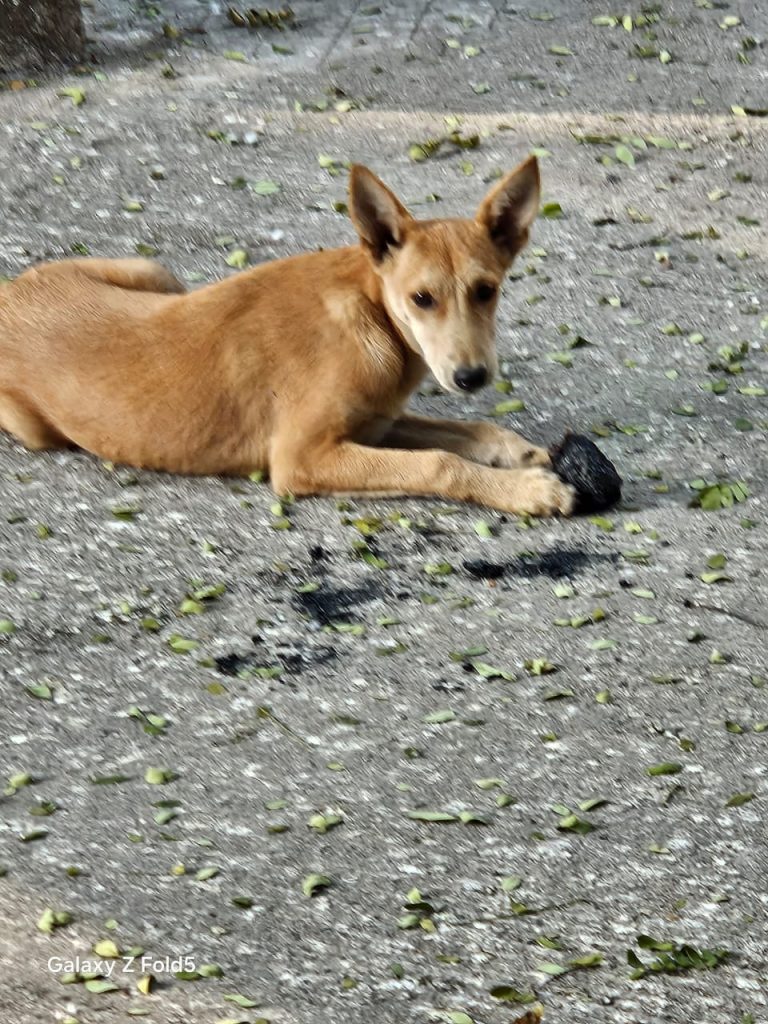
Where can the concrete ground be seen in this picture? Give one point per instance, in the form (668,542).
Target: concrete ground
(190,765)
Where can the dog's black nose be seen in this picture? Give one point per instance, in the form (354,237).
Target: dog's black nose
(470,378)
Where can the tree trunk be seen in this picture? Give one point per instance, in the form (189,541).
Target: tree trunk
(34,33)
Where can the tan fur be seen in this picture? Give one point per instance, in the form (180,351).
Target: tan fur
(301,367)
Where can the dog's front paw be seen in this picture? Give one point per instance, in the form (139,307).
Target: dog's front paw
(541,493)
(535,457)
(511,451)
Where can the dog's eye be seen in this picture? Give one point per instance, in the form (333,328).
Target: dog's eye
(484,292)
(423,300)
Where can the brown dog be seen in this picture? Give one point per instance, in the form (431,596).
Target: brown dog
(301,367)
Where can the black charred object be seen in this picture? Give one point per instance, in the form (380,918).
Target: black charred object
(580,463)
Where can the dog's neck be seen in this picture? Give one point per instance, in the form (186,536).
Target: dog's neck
(414,369)
(373,290)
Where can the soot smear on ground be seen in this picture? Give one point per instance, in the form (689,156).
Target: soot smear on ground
(327,605)
(483,570)
(291,659)
(555,564)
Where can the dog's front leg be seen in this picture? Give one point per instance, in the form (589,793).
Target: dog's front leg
(349,468)
(471,439)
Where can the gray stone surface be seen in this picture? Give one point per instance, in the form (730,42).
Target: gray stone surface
(342,730)
(36,33)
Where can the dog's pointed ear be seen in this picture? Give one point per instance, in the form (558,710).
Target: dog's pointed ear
(510,208)
(378,215)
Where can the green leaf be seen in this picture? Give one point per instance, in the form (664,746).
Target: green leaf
(625,155)
(431,816)
(242,1001)
(323,823)
(243,902)
(491,672)
(51,919)
(438,568)
(602,523)
(420,151)
(647,942)
(468,654)
(572,823)
(470,818)
(592,804)
(487,784)
(673,958)
(238,259)
(100,985)
(158,776)
(549,968)
(106,948)
(714,577)
(508,994)
(590,960)
(181,645)
(265,187)
(551,211)
(510,405)
(739,799)
(603,644)
(540,666)
(108,780)
(74,93)
(712,497)
(665,768)
(645,620)
(40,690)
(43,809)
(313,884)
(511,882)
(439,717)
(481,528)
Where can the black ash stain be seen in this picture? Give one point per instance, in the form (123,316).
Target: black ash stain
(328,604)
(554,564)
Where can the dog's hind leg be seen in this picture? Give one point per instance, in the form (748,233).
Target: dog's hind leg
(28,426)
(139,275)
